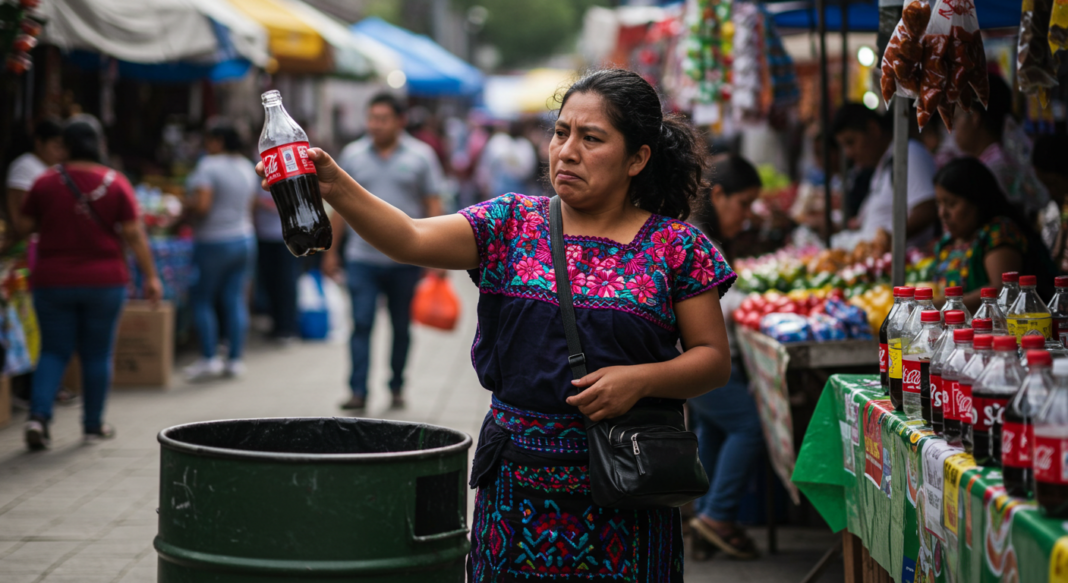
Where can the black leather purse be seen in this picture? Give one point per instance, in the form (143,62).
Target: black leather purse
(644,458)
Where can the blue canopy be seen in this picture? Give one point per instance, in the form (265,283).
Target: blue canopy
(864,17)
(431,70)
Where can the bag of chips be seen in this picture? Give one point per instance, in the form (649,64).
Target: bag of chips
(902,61)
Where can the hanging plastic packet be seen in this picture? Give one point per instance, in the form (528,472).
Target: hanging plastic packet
(902,68)
(937,68)
(1036,67)
(1058,26)
(969,56)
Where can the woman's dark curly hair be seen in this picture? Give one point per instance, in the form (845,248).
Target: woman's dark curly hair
(671,180)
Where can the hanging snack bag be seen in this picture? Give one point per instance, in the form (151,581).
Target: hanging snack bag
(902,69)
(968,61)
(1036,67)
(1058,26)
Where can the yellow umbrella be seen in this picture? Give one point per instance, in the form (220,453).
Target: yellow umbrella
(539,88)
(295,44)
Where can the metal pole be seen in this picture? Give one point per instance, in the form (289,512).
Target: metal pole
(843,8)
(901,182)
(825,120)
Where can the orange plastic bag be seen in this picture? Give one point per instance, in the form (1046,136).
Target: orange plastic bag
(435,303)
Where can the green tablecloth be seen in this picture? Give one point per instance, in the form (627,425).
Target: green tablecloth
(924,510)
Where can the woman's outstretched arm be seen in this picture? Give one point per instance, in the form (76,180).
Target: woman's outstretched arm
(444,242)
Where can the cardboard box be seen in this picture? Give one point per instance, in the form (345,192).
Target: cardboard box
(144,345)
(5,401)
(144,349)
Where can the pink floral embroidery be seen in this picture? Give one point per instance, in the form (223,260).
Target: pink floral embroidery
(529,268)
(574,254)
(703,269)
(511,229)
(605,284)
(578,280)
(675,256)
(643,288)
(496,251)
(635,266)
(603,264)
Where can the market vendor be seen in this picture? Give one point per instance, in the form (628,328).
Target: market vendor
(985,234)
(867,141)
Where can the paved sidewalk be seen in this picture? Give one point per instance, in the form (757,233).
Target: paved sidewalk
(87,514)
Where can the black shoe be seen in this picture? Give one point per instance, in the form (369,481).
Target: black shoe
(355,403)
(36,434)
(397,403)
(106,431)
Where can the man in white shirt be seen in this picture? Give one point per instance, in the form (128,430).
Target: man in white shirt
(47,151)
(867,141)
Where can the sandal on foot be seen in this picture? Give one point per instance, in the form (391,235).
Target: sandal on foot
(735,543)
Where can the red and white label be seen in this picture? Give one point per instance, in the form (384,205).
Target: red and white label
(988,412)
(963,406)
(288,161)
(1050,464)
(949,406)
(911,376)
(884,354)
(937,398)
(1016,443)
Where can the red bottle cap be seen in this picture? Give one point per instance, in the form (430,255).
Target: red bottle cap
(954,291)
(1010,277)
(924,293)
(1028,280)
(954,316)
(982,341)
(904,291)
(963,335)
(988,292)
(1060,281)
(982,325)
(1004,343)
(930,316)
(1039,358)
(1032,341)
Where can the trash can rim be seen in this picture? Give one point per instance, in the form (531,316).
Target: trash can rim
(220,452)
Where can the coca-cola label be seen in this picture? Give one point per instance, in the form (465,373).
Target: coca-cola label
(911,376)
(1016,444)
(884,356)
(949,404)
(963,406)
(288,161)
(937,398)
(1050,464)
(987,412)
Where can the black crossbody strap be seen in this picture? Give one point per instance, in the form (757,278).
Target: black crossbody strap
(576,359)
(84,200)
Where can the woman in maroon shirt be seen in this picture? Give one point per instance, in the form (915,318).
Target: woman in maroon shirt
(85,214)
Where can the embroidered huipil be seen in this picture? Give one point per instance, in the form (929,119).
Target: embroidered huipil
(533,512)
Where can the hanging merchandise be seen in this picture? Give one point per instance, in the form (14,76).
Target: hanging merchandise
(709,49)
(746,70)
(902,69)
(784,89)
(1058,26)
(1036,67)
(954,63)
(18,34)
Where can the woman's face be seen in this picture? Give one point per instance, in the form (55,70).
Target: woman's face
(959,217)
(588,161)
(734,209)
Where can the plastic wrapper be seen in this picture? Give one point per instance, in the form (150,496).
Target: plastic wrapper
(902,68)
(786,327)
(954,63)
(1058,26)
(825,328)
(1036,68)
(935,69)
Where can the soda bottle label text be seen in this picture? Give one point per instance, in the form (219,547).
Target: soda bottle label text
(963,406)
(1050,464)
(987,412)
(882,358)
(286,161)
(895,361)
(1016,443)
(949,407)
(911,377)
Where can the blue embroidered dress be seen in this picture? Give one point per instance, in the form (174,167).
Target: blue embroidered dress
(533,513)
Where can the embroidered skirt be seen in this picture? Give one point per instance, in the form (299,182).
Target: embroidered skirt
(535,520)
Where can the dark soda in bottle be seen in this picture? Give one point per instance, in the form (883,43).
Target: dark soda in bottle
(1017,434)
(294,184)
(1051,447)
(952,395)
(983,352)
(991,393)
(895,337)
(955,320)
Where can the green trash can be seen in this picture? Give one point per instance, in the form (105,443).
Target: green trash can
(312,499)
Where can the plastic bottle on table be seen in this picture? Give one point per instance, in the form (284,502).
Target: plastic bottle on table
(1058,307)
(989,310)
(1051,447)
(924,300)
(1029,314)
(983,352)
(916,363)
(1017,434)
(895,332)
(951,371)
(954,320)
(1031,342)
(955,301)
(1010,289)
(902,297)
(991,394)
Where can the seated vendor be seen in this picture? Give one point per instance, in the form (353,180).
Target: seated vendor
(985,235)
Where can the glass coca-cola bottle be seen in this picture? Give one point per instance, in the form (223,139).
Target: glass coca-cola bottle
(953,395)
(916,363)
(1051,447)
(955,301)
(989,310)
(954,320)
(1058,307)
(982,352)
(991,394)
(1010,288)
(1017,434)
(293,181)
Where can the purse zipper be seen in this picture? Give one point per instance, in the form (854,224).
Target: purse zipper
(637,453)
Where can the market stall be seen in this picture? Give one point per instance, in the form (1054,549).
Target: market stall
(922,510)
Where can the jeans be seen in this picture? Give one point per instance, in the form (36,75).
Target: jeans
(82,319)
(222,272)
(366,282)
(730,443)
(278,272)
